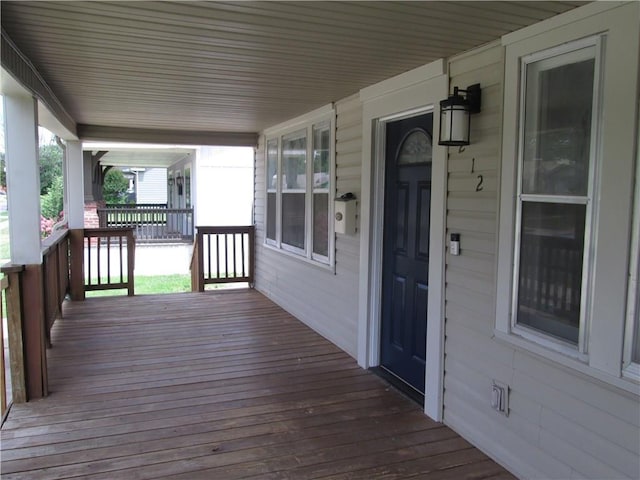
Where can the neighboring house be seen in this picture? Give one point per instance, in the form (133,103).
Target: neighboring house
(541,303)
(149,184)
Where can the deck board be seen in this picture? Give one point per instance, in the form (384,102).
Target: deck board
(218,385)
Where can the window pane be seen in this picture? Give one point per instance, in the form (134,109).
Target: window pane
(321,138)
(272,164)
(416,149)
(293,219)
(321,224)
(635,354)
(550,274)
(635,357)
(321,182)
(557,125)
(294,161)
(271,216)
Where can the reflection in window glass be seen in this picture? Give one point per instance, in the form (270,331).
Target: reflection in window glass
(635,353)
(557,132)
(550,275)
(294,184)
(272,181)
(187,187)
(321,172)
(294,161)
(293,219)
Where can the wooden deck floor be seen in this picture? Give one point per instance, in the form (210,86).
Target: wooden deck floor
(218,386)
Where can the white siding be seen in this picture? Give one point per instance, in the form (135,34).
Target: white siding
(152,186)
(324,300)
(561,424)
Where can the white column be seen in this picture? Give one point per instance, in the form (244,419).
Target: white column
(23,178)
(74,184)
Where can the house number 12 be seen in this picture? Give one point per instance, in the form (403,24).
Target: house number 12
(479,186)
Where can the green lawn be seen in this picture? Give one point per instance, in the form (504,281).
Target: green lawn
(150,285)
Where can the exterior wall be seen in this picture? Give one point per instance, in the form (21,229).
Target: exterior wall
(225,186)
(152,186)
(562,424)
(324,300)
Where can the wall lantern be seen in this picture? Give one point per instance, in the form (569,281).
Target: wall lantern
(455,115)
(179,183)
(170,181)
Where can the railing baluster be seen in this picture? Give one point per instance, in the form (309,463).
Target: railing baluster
(98,267)
(217,256)
(242,252)
(108,259)
(120,257)
(209,256)
(88,279)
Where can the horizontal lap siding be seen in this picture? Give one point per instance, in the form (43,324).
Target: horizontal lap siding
(152,186)
(324,300)
(561,424)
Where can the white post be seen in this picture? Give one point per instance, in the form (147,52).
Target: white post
(74,184)
(23,178)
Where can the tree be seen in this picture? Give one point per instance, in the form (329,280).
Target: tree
(115,187)
(3,171)
(50,166)
(52,203)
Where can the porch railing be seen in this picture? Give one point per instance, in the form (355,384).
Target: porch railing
(73,261)
(55,261)
(34,295)
(109,257)
(222,255)
(136,205)
(150,223)
(12,376)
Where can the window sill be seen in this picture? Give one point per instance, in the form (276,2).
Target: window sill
(328,267)
(632,373)
(546,355)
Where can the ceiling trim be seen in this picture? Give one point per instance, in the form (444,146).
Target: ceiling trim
(173,137)
(25,73)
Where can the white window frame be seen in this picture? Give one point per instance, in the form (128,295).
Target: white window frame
(552,55)
(631,368)
(324,116)
(601,353)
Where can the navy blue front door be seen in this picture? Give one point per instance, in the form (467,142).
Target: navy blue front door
(405,285)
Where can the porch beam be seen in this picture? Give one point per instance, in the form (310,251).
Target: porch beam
(21,69)
(176,137)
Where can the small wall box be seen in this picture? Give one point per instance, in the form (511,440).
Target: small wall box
(345,215)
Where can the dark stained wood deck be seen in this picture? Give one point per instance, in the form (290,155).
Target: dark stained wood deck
(218,386)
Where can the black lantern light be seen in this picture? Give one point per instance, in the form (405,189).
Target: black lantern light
(455,115)
(179,183)
(170,181)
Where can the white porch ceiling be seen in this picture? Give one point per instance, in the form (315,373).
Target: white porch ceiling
(240,66)
(125,155)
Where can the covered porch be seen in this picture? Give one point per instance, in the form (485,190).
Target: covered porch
(218,385)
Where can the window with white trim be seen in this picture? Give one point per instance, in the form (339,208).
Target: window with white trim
(299,185)
(555,192)
(632,345)
(565,246)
